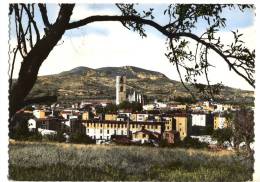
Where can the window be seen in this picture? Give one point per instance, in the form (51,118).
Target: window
(144,135)
(101,131)
(100,125)
(156,127)
(87,130)
(121,80)
(101,137)
(115,132)
(122,132)
(107,131)
(107,137)
(121,88)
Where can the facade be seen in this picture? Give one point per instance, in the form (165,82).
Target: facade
(220,122)
(140,117)
(85,116)
(144,136)
(171,136)
(135,97)
(198,119)
(201,124)
(40,114)
(49,123)
(181,125)
(168,123)
(111,117)
(120,89)
(103,130)
(32,125)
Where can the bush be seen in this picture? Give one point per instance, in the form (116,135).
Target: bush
(21,131)
(35,136)
(59,137)
(78,137)
(222,135)
(189,142)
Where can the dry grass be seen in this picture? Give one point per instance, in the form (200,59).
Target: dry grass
(55,161)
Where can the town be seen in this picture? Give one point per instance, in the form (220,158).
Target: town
(130,120)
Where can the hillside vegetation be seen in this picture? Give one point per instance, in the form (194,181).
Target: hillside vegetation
(50,161)
(85,83)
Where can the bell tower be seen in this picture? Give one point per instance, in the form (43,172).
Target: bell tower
(120,89)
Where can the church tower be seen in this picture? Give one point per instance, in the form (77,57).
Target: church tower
(120,89)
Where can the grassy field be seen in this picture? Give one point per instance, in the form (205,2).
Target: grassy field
(50,161)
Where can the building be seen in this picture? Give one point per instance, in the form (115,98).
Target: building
(169,122)
(201,124)
(40,114)
(110,117)
(145,136)
(104,130)
(70,114)
(171,136)
(181,124)
(85,116)
(198,119)
(48,123)
(140,117)
(220,121)
(120,89)
(135,97)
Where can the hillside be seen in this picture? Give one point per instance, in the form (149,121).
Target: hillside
(83,83)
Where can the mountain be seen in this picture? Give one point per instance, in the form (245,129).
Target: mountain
(84,83)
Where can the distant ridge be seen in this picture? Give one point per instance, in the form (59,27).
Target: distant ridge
(86,83)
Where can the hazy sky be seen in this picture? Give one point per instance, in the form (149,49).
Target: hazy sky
(104,44)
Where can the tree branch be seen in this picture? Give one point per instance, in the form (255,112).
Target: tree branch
(33,22)
(160,28)
(43,11)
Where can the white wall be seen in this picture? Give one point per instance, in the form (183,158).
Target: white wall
(198,119)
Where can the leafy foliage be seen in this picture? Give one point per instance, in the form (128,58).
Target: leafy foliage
(78,137)
(189,142)
(134,106)
(244,127)
(223,135)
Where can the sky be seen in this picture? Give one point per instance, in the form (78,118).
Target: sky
(103,44)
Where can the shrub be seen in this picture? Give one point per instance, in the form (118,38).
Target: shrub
(78,137)
(222,135)
(189,142)
(59,137)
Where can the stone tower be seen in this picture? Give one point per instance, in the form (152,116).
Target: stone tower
(120,89)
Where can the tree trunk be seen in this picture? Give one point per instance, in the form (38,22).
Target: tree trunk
(32,62)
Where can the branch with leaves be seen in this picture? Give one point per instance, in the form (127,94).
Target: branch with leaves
(178,31)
